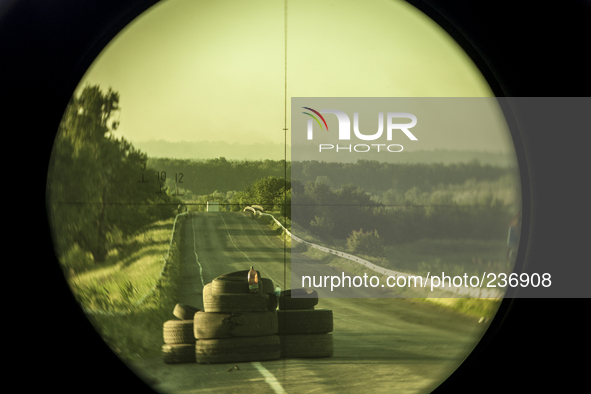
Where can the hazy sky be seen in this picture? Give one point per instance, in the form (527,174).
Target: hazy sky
(190,70)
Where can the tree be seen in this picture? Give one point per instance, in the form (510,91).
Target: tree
(368,243)
(283,204)
(322,226)
(266,191)
(92,188)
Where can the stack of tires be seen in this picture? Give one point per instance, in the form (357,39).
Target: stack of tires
(304,331)
(179,340)
(235,325)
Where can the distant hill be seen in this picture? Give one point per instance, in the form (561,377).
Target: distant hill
(260,151)
(210,150)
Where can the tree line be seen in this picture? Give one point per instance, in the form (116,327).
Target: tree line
(95,198)
(377,177)
(399,203)
(349,213)
(202,177)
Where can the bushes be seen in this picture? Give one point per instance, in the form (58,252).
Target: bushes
(367,243)
(399,225)
(132,326)
(479,208)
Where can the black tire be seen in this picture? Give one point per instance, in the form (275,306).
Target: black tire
(184,311)
(238,324)
(306,346)
(177,332)
(267,283)
(237,303)
(272,302)
(233,285)
(305,299)
(233,350)
(243,273)
(268,287)
(177,354)
(305,321)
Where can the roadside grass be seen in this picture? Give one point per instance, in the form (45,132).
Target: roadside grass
(116,287)
(282,235)
(478,307)
(453,257)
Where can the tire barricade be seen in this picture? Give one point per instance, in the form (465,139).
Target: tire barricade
(237,326)
(304,331)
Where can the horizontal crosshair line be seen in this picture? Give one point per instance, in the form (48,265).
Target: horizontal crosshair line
(261,203)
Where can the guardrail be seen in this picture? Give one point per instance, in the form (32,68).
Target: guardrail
(470,291)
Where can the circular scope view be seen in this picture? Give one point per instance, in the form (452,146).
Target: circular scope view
(285,197)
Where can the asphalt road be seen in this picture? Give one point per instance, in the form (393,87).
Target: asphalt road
(380,344)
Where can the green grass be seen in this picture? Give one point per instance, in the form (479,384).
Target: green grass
(478,307)
(119,283)
(454,257)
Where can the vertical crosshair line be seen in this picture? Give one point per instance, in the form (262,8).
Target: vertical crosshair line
(285,207)
(285,156)
(285,146)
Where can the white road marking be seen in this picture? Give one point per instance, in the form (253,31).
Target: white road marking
(196,256)
(269,378)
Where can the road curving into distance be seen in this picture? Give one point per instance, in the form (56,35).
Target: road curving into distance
(380,344)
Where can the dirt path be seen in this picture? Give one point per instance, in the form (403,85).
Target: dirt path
(381,345)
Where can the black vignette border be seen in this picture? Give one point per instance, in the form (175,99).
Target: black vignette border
(529,50)
(534,50)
